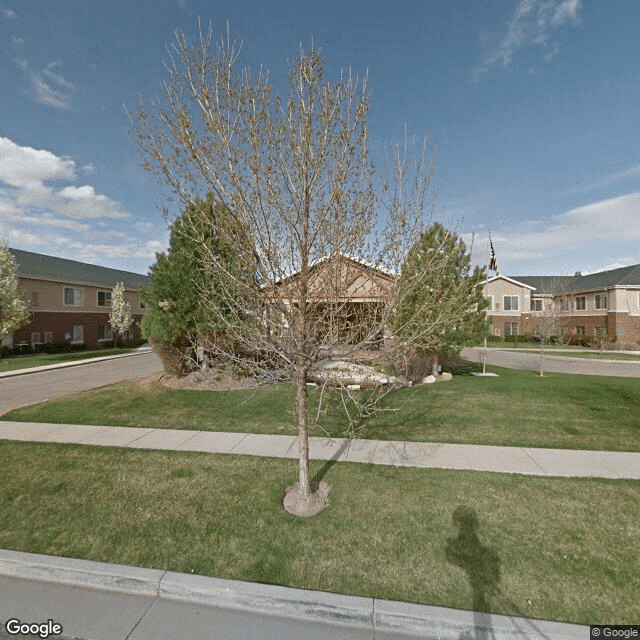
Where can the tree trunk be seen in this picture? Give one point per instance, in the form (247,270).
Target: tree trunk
(541,357)
(303,431)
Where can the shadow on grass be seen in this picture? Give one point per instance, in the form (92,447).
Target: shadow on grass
(482,566)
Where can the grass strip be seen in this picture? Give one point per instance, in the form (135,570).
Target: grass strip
(558,549)
(39,360)
(517,408)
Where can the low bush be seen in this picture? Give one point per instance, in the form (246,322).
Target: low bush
(22,350)
(59,346)
(79,347)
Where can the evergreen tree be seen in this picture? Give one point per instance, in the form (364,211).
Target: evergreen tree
(186,275)
(448,310)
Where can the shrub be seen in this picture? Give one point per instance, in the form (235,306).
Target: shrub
(460,367)
(24,349)
(6,351)
(108,344)
(173,357)
(79,347)
(60,346)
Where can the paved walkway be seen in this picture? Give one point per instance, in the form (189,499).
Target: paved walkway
(28,386)
(528,461)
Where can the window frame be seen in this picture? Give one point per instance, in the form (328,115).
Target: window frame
(105,293)
(109,332)
(80,297)
(597,301)
(73,339)
(510,325)
(511,299)
(581,303)
(539,302)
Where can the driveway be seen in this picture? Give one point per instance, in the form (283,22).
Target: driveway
(556,364)
(29,388)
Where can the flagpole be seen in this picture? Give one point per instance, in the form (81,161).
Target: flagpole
(486,290)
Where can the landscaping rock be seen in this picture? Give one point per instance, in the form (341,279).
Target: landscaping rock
(429,380)
(444,377)
(349,374)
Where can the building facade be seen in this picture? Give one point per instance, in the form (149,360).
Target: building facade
(605,303)
(71,301)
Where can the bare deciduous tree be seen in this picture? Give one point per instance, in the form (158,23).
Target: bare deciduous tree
(322,225)
(550,317)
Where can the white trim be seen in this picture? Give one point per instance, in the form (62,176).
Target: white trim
(511,280)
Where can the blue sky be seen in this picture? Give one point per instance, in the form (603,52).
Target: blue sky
(535,105)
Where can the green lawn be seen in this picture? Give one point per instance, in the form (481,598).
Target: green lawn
(562,549)
(39,360)
(517,408)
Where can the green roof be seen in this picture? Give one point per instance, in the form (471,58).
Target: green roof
(625,276)
(37,265)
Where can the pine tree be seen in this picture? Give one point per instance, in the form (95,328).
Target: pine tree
(447,311)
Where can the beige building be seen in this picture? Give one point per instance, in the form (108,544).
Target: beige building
(607,302)
(71,301)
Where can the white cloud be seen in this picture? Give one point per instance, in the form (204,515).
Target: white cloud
(41,209)
(25,171)
(24,166)
(587,238)
(9,14)
(47,85)
(534,22)
(633,172)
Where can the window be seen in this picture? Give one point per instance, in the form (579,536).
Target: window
(601,301)
(35,299)
(489,300)
(35,338)
(510,303)
(73,296)
(104,298)
(48,336)
(580,331)
(536,304)
(105,332)
(581,303)
(142,305)
(510,328)
(74,333)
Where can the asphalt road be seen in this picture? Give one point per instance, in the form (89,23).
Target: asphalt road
(556,364)
(23,390)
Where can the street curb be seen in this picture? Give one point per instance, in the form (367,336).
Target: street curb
(370,614)
(64,365)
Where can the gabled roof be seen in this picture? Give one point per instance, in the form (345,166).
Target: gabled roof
(37,265)
(545,284)
(515,280)
(624,276)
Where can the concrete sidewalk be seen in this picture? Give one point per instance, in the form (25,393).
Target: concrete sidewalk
(115,602)
(527,461)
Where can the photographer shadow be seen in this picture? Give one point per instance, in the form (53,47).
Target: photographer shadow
(482,566)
